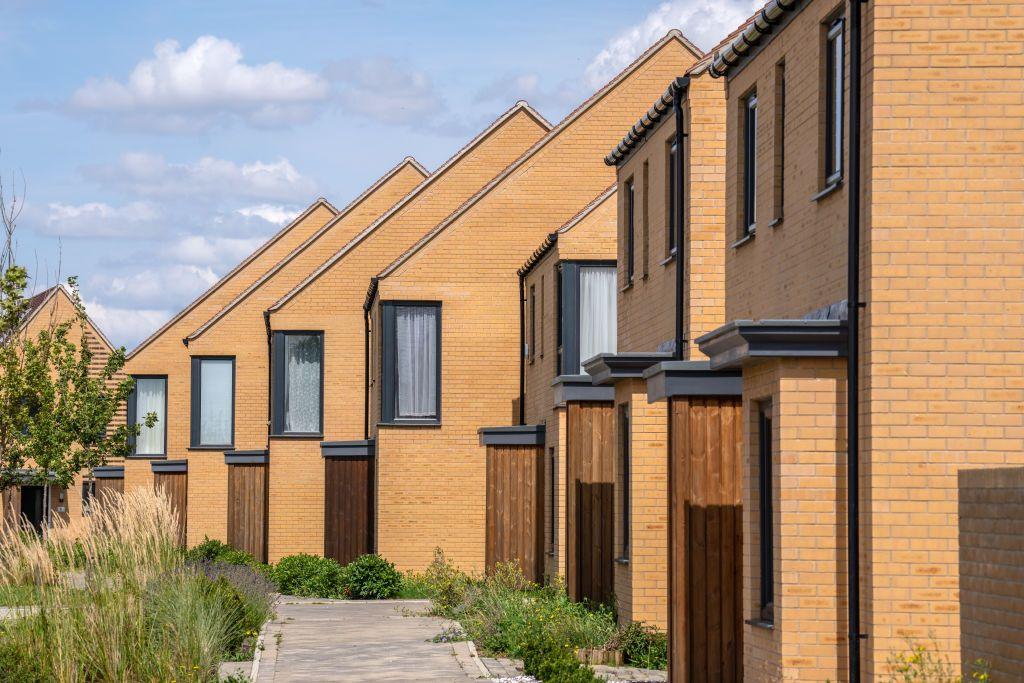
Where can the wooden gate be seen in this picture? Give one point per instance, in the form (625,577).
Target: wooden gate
(590,482)
(172,478)
(515,508)
(108,485)
(706,540)
(247,507)
(348,506)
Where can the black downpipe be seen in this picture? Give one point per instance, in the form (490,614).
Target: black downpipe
(853,351)
(522,342)
(270,377)
(680,190)
(366,373)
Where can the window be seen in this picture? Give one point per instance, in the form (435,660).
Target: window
(298,381)
(149,396)
(541,341)
(88,493)
(533,322)
(673,197)
(588,314)
(213,402)
(834,102)
(552,502)
(645,225)
(780,140)
(630,231)
(766,602)
(749,163)
(624,457)
(412,363)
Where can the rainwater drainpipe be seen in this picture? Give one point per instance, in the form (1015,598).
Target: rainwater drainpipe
(270,377)
(366,373)
(522,349)
(680,189)
(852,358)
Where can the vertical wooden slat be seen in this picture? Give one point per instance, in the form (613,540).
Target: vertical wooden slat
(348,508)
(515,508)
(247,509)
(175,485)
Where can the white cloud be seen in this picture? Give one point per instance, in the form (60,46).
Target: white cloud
(387,90)
(151,175)
(278,215)
(213,252)
(705,22)
(206,83)
(160,287)
(126,326)
(98,219)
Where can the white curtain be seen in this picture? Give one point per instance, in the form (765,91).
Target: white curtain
(597,312)
(149,398)
(302,383)
(215,402)
(416,344)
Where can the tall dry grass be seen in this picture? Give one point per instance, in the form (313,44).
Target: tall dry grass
(111,600)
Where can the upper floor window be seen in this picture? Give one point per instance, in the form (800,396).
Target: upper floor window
(411,362)
(588,313)
(149,396)
(533,323)
(749,163)
(298,381)
(672,193)
(213,402)
(624,477)
(834,102)
(630,230)
(780,141)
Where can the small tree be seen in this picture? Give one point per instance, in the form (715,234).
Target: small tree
(55,416)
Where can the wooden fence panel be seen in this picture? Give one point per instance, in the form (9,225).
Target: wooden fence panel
(247,509)
(175,486)
(348,507)
(595,505)
(515,508)
(111,485)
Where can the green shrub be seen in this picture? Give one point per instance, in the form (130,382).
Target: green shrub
(553,662)
(212,550)
(642,646)
(309,576)
(371,577)
(444,583)
(414,586)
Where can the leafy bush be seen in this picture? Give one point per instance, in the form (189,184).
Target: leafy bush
(245,593)
(924,663)
(309,576)
(414,587)
(444,583)
(642,646)
(212,550)
(553,662)
(371,577)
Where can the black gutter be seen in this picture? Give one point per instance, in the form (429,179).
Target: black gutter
(852,358)
(681,85)
(366,374)
(522,354)
(270,377)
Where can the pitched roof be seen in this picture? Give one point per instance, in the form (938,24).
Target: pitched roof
(217,285)
(37,302)
(552,238)
(738,45)
(674,34)
(520,106)
(244,294)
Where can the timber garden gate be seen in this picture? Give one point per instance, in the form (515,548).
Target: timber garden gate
(171,477)
(350,481)
(248,475)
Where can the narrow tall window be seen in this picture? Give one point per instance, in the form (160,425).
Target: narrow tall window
(552,501)
(213,402)
(673,197)
(630,231)
(645,225)
(541,340)
(88,494)
(533,322)
(834,102)
(624,469)
(149,396)
(750,164)
(412,362)
(780,140)
(766,602)
(298,383)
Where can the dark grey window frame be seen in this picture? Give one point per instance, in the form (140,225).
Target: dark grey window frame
(568,355)
(533,323)
(835,83)
(278,384)
(625,457)
(630,195)
(672,194)
(131,416)
(750,164)
(389,372)
(88,494)
(766,528)
(552,484)
(196,405)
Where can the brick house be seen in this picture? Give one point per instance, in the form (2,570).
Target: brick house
(444,322)
(914,142)
(53,306)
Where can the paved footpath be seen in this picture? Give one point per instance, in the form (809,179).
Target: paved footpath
(344,640)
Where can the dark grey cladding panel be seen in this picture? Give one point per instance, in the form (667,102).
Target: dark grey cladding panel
(514,435)
(259,457)
(365,448)
(742,341)
(691,378)
(169,466)
(108,472)
(580,388)
(608,368)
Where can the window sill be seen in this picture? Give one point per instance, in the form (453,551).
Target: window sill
(311,435)
(746,239)
(760,623)
(622,560)
(410,423)
(668,259)
(776,222)
(628,286)
(146,457)
(829,189)
(225,447)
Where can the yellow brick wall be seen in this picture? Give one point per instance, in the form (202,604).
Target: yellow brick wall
(471,268)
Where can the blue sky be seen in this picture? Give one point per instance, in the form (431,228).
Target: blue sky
(160,142)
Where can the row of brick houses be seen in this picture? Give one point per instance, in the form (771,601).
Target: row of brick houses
(620,350)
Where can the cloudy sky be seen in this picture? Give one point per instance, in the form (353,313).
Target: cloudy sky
(161,142)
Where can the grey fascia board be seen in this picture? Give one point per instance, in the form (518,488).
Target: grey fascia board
(169,466)
(741,341)
(513,435)
(257,457)
(580,388)
(108,472)
(691,378)
(608,368)
(364,448)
